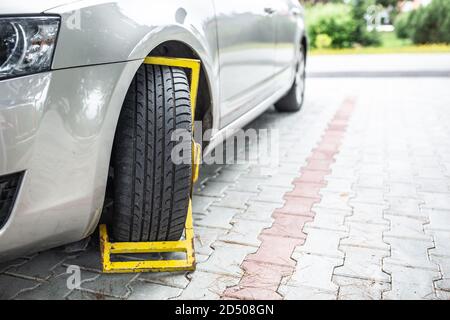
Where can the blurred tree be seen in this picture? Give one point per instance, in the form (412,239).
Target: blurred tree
(361,34)
(387,3)
(384,3)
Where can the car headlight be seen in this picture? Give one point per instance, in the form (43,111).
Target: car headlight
(27,44)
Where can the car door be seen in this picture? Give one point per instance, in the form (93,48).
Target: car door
(289,26)
(246,40)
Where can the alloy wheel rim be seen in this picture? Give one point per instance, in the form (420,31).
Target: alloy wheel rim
(300,80)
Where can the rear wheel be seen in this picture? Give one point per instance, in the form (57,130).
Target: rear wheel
(151,193)
(293,101)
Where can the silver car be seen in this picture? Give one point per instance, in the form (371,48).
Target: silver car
(82,117)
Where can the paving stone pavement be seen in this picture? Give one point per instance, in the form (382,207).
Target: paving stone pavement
(379,227)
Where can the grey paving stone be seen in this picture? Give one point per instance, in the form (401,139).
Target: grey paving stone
(4,266)
(258,211)
(280,180)
(433,185)
(217,217)
(290,168)
(363,263)
(405,207)
(329,220)
(359,289)
(200,204)
(411,283)
(226,259)
(433,173)
(370,181)
(368,196)
(314,271)
(441,242)
(77,247)
(12,286)
(272,194)
(56,287)
(208,286)
(446,166)
(211,169)
(337,201)
(258,172)
(109,285)
(141,290)
(406,228)
(174,279)
(443,295)
(79,295)
(365,236)
(248,185)
(439,201)
(372,169)
(338,185)
(227,175)
(235,200)
(205,237)
(89,260)
(207,172)
(444,266)
(368,213)
(245,232)
(410,253)
(212,189)
(343,172)
(200,258)
(306,293)
(324,243)
(402,190)
(439,220)
(400,177)
(243,167)
(41,266)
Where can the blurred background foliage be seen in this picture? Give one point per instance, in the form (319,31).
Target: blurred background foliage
(337,24)
(429,24)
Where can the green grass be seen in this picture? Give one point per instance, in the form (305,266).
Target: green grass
(390,40)
(389,44)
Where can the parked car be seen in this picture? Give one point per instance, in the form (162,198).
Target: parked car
(80,113)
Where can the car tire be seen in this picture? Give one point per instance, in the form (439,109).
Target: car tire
(293,100)
(151,192)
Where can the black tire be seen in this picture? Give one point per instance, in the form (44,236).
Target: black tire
(293,100)
(151,193)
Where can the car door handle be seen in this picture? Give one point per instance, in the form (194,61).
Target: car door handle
(269,11)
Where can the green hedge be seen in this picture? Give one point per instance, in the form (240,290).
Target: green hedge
(338,25)
(331,20)
(430,24)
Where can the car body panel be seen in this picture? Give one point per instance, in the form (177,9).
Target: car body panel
(58,127)
(290,26)
(30,7)
(128,32)
(247,39)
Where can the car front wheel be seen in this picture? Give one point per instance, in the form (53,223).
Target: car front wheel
(293,101)
(151,192)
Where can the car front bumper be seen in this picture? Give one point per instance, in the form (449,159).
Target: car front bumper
(57,128)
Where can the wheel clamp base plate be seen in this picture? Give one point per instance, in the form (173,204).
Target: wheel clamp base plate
(184,246)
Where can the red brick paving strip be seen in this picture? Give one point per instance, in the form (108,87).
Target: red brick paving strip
(264,270)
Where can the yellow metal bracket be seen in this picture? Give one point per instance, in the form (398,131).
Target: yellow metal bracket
(185,246)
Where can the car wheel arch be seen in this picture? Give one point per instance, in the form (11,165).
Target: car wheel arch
(205,106)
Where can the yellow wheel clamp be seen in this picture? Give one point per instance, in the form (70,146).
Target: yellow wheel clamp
(184,246)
